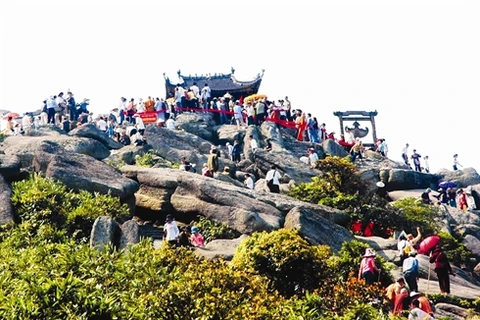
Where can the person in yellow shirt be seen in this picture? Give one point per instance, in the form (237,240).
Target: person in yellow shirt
(394,289)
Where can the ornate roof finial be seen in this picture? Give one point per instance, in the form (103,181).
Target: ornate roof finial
(178,72)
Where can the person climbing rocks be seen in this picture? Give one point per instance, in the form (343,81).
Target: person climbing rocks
(462,200)
(394,289)
(272,179)
(442,268)
(212,161)
(368,267)
(410,270)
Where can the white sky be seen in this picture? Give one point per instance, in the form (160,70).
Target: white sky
(416,62)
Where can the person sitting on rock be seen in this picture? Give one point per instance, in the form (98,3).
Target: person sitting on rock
(124,139)
(186,166)
(184,237)
(418,314)
(268,145)
(249,181)
(206,172)
(312,157)
(197,238)
(425,196)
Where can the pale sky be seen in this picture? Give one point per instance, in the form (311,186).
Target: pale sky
(416,62)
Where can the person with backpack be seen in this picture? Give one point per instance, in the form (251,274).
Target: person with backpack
(272,178)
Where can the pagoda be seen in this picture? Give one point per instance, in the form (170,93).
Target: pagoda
(219,84)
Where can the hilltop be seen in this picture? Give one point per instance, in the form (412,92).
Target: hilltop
(86,159)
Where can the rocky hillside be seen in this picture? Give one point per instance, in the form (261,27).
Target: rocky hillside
(86,159)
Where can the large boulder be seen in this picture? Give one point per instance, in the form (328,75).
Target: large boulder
(224,203)
(271,131)
(220,248)
(334,149)
(197,123)
(129,234)
(81,172)
(400,179)
(316,229)
(228,133)
(127,154)
(473,244)
(6,210)
(10,166)
(105,231)
(174,144)
(459,217)
(89,130)
(24,147)
(463,178)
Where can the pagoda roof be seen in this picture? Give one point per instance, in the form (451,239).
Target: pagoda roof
(219,84)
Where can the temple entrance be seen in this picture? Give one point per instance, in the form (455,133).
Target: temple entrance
(356,117)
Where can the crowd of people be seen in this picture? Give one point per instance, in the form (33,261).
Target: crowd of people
(403,294)
(449,196)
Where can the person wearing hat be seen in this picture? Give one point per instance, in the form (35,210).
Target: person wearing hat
(382,192)
(196,238)
(410,270)
(170,230)
(368,267)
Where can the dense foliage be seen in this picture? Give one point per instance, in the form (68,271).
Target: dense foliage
(326,283)
(212,230)
(339,186)
(43,203)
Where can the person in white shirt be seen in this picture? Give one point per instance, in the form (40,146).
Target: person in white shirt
(102,125)
(26,121)
(195,90)
(51,105)
(418,314)
(170,124)
(349,138)
(272,179)
(61,103)
(237,109)
(312,157)
(205,96)
(249,182)
(229,150)
(140,106)
(170,230)
(426,166)
(139,124)
(253,144)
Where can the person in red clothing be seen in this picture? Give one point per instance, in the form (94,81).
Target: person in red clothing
(401,302)
(462,200)
(442,268)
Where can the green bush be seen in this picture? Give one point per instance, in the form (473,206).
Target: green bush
(212,230)
(415,214)
(41,202)
(146,160)
(73,281)
(288,261)
(456,251)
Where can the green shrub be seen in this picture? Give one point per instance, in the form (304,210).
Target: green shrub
(415,214)
(289,262)
(146,160)
(212,230)
(456,251)
(42,201)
